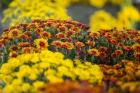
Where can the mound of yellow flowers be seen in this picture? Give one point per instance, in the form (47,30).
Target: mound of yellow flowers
(27,72)
(26,10)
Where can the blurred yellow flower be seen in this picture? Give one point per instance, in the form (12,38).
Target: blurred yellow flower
(130,13)
(25,10)
(98,3)
(101,19)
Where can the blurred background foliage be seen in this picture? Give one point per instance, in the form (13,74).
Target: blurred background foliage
(96,13)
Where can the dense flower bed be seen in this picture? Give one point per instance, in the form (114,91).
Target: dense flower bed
(27,72)
(42,54)
(73,39)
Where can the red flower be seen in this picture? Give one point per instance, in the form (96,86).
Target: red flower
(94,52)
(113,55)
(79,44)
(27,49)
(13,54)
(61,36)
(56,43)
(118,52)
(127,48)
(24,44)
(62,28)
(103,55)
(67,45)
(45,35)
(136,47)
(1,45)
(94,35)
(137,55)
(90,43)
(113,41)
(103,49)
(13,48)
(108,35)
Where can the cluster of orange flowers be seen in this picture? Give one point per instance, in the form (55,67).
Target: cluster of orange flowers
(124,71)
(85,87)
(71,87)
(76,41)
(124,74)
(73,39)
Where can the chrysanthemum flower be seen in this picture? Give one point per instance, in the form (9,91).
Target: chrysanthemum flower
(137,55)
(24,44)
(13,48)
(127,48)
(61,35)
(113,41)
(103,55)
(94,52)
(113,55)
(13,54)
(15,33)
(1,45)
(79,44)
(67,45)
(118,52)
(27,49)
(136,47)
(103,49)
(56,43)
(94,35)
(45,35)
(41,43)
(90,43)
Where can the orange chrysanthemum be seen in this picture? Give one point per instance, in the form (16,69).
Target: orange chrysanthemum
(27,49)
(45,35)
(13,54)
(136,47)
(13,48)
(103,49)
(15,33)
(24,44)
(137,55)
(118,52)
(90,43)
(61,35)
(79,44)
(57,43)
(67,45)
(94,34)
(94,52)
(127,48)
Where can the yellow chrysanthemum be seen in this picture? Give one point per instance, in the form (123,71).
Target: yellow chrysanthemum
(41,43)
(24,10)
(101,19)
(130,13)
(18,74)
(98,3)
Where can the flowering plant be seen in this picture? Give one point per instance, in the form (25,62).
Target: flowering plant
(120,78)
(71,38)
(28,72)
